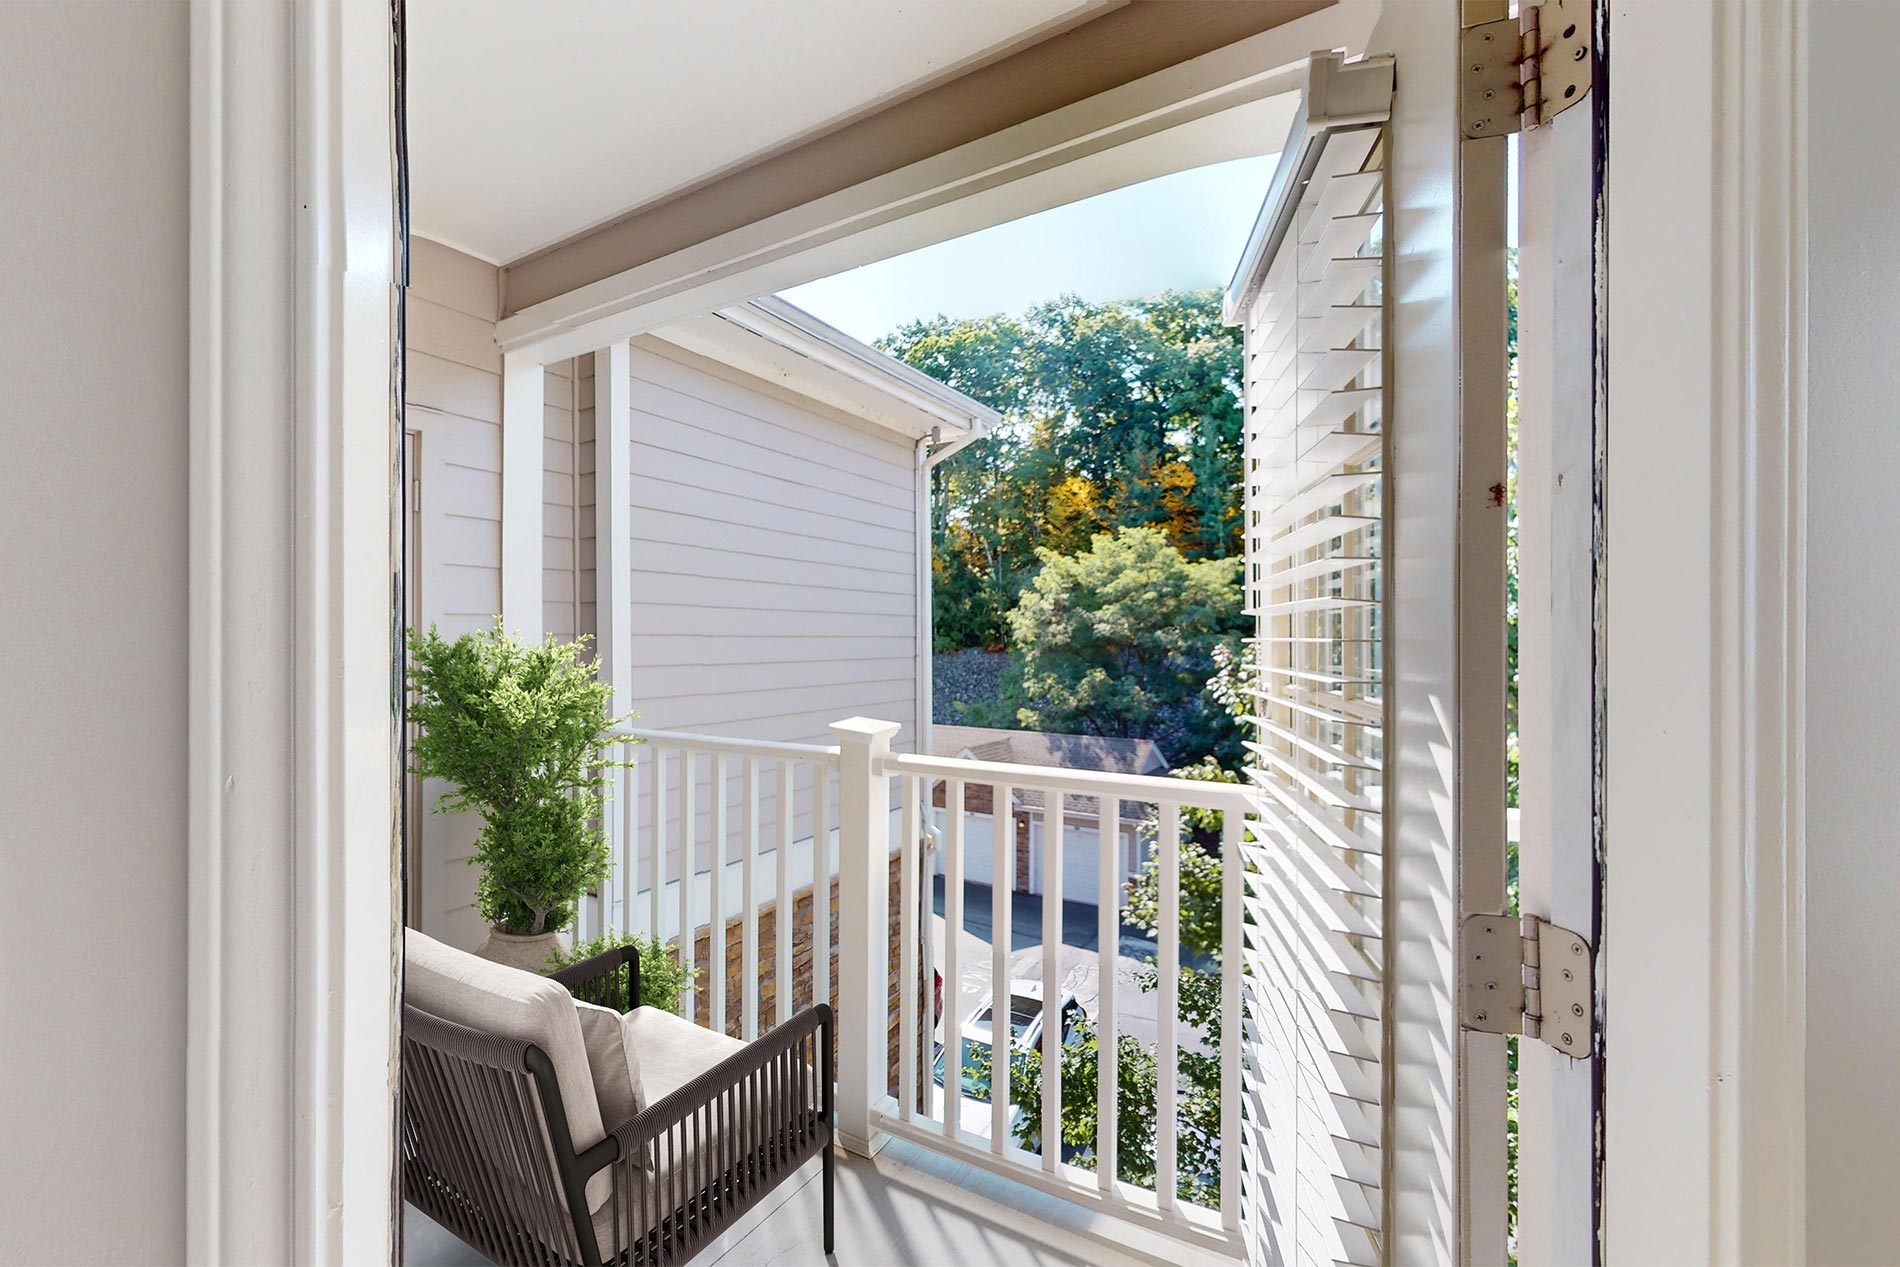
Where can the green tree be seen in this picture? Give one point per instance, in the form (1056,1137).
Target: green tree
(1119,640)
(1115,414)
(1136,1086)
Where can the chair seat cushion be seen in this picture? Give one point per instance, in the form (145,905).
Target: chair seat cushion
(671,1051)
(510,1003)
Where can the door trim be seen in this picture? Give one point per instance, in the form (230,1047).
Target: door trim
(293,855)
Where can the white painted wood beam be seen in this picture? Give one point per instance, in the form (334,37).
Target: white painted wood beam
(613,599)
(523,422)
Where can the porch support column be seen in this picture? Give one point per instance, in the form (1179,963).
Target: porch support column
(523,422)
(864,927)
(613,599)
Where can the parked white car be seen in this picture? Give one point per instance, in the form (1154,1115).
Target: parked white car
(1025,1030)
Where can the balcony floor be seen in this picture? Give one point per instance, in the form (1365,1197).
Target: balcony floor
(890,1213)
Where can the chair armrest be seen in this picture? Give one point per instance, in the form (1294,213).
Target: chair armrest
(769,1064)
(688,1164)
(600,979)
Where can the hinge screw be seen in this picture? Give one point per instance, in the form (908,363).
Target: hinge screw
(1566,1040)
(1580,54)
(1477,125)
(1576,1009)
(1482,1018)
(1569,975)
(1576,947)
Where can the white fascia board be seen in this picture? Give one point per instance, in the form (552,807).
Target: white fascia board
(781,343)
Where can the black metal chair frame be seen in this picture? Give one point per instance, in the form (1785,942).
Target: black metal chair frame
(486,1150)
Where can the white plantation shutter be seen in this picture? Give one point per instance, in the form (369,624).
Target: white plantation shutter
(1310,296)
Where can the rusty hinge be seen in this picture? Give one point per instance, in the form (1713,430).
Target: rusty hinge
(1520,72)
(1528,976)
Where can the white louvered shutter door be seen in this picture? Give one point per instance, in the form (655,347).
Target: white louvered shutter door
(1312,303)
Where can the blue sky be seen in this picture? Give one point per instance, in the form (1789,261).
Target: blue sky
(1178,232)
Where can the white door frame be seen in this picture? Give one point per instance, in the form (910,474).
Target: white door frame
(292,965)
(1704,926)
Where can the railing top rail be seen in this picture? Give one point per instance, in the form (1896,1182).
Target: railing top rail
(1146,788)
(765,750)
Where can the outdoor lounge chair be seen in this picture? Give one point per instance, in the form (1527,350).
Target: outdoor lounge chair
(504,1141)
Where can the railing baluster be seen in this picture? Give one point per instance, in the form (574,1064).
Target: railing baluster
(1233,824)
(656,841)
(749,898)
(820,884)
(952,930)
(1002,891)
(629,871)
(1168,968)
(782,921)
(689,827)
(907,952)
(1108,832)
(715,901)
(1052,812)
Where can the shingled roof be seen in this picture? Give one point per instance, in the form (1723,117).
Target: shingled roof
(1038,747)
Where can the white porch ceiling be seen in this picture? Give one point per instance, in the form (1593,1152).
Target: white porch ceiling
(531,121)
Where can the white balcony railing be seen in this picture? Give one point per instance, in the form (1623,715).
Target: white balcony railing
(769,807)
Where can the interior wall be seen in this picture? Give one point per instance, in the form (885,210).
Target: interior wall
(1853,609)
(94,236)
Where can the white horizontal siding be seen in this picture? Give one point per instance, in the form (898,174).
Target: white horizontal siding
(452,385)
(560,504)
(774,566)
(774,574)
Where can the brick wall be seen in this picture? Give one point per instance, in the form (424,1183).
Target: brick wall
(801,976)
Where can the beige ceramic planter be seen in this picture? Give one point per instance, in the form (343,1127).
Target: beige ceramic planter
(528,951)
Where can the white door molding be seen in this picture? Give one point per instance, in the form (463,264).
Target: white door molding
(1706,219)
(293,870)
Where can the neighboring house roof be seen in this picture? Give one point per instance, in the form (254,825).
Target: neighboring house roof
(781,343)
(1037,747)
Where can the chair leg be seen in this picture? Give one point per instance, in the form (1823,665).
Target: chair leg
(831,1242)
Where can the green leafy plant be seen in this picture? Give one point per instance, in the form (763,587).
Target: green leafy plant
(662,977)
(521,732)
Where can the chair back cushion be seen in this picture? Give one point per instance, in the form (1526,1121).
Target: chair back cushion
(508,1002)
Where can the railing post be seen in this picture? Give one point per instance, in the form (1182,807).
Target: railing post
(864,861)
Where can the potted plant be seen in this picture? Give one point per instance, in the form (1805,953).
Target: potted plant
(522,734)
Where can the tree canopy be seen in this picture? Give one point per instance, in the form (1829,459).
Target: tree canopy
(1117,414)
(1120,639)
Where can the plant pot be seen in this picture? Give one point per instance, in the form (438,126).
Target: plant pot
(528,951)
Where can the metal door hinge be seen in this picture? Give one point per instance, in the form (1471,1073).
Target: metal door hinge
(1528,976)
(1524,71)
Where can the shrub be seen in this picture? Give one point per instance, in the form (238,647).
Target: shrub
(662,977)
(521,732)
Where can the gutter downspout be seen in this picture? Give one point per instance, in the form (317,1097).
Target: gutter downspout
(926,461)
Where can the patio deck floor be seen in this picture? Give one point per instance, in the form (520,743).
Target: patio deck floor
(889,1214)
